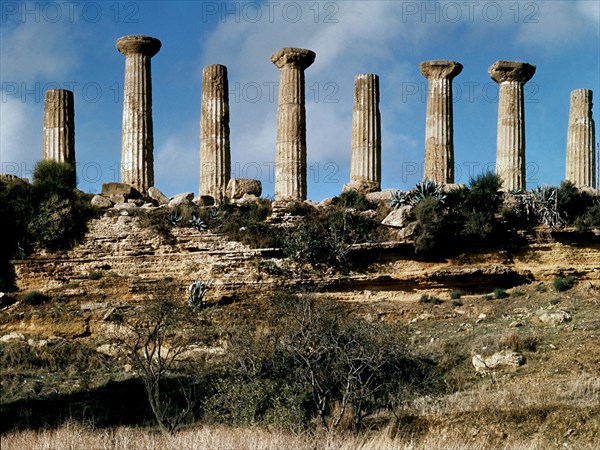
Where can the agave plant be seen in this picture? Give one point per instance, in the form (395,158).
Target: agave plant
(213,213)
(427,188)
(400,198)
(546,206)
(197,290)
(175,218)
(198,223)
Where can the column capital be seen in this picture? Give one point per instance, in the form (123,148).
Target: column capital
(502,71)
(133,44)
(440,68)
(299,57)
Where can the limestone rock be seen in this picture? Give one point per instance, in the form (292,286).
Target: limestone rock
(204,200)
(125,206)
(398,217)
(181,199)
(504,360)
(248,198)
(238,187)
(363,186)
(158,196)
(110,350)
(119,192)
(14,336)
(101,202)
(554,318)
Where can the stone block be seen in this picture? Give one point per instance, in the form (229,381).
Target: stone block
(238,187)
(120,189)
(158,196)
(101,202)
(181,199)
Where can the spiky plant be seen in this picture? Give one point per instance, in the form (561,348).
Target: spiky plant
(427,188)
(198,223)
(197,290)
(175,218)
(400,198)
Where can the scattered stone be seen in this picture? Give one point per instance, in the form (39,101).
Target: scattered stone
(382,197)
(248,198)
(101,202)
(515,324)
(119,189)
(555,318)
(125,206)
(158,196)
(204,200)
(148,206)
(362,186)
(14,336)
(398,217)
(181,199)
(238,187)
(110,350)
(504,360)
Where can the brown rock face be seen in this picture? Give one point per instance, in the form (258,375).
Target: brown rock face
(581,138)
(59,126)
(215,158)
(137,157)
(439,128)
(365,165)
(290,161)
(510,142)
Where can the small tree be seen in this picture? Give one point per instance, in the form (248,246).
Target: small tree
(157,339)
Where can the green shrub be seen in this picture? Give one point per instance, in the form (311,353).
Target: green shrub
(426,298)
(456,302)
(34,298)
(93,275)
(52,177)
(455,294)
(430,231)
(540,288)
(589,219)
(564,283)
(488,297)
(484,193)
(356,200)
(500,293)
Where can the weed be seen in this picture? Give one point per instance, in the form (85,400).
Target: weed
(456,302)
(34,298)
(540,288)
(564,283)
(500,293)
(426,298)
(93,275)
(455,294)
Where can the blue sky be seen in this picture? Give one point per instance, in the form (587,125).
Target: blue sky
(71,45)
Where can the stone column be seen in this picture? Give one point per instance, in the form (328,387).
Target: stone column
(137,158)
(581,140)
(365,163)
(439,131)
(290,161)
(59,126)
(215,158)
(510,141)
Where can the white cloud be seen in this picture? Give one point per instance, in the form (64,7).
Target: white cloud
(20,136)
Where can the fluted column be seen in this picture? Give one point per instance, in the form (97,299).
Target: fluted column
(215,159)
(510,142)
(137,148)
(581,154)
(59,126)
(365,163)
(439,129)
(290,162)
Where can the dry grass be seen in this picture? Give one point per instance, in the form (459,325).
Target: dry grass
(74,436)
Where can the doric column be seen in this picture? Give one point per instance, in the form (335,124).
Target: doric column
(439,131)
(137,158)
(510,142)
(215,159)
(581,154)
(365,164)
(290,163)
(59,126)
